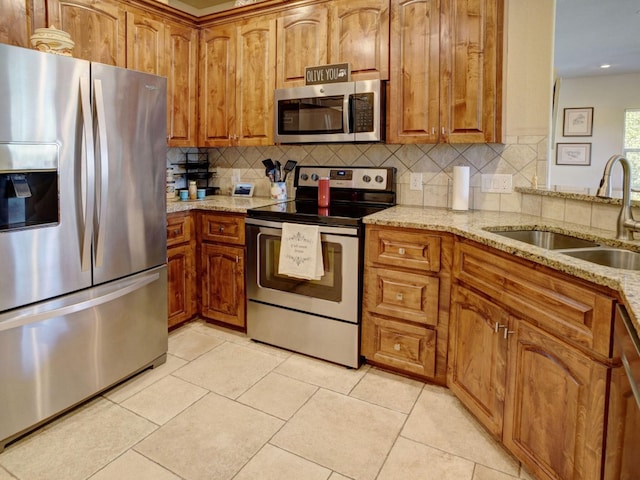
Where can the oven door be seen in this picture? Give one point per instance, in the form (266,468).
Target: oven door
(335,295)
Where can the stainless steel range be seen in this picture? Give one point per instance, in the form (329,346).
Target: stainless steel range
(319,317)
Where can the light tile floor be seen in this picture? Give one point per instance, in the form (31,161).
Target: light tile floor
(225,407)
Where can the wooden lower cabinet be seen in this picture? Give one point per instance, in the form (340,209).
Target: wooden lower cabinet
(221,243)
(222,283)
(181,268)
(540,392)
(406,301)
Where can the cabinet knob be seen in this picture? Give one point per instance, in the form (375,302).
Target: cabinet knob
(221,228)
(396,347)
(176,231)
(401,251)
(399,296)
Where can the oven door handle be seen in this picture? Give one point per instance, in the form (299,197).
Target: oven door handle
(325,229)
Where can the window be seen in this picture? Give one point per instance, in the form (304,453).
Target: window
(632,143)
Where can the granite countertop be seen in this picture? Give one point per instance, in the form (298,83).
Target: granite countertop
(221,203)
(472,224)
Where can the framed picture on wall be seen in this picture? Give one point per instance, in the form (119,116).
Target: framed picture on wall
(573,154)
(578,122)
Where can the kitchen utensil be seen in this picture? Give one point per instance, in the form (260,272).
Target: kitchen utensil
(288,167)
(278,171)
(268,163)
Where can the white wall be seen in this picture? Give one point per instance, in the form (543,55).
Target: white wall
(609,96)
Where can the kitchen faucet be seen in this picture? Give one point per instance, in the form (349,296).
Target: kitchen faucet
(626,224)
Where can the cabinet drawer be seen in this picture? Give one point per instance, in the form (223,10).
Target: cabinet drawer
(401,248)
(410,348)
(406,296)
(224,228)
(558,303)
(178,228)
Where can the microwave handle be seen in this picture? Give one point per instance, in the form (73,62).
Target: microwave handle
(348,111)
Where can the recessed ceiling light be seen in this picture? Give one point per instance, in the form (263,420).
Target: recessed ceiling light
(605,65)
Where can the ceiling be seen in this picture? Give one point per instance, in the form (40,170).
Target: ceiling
(590,33)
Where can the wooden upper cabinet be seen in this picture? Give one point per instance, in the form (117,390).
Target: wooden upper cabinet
(96,26)
(471,70)
(237,81)
(14,23)
(445,71)
(217,79)
(146,49)
(182,77)
(415,84)
(302,41)
(359,35)
(255,82)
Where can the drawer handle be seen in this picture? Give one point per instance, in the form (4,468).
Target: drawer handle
(498,327)
(396,347)
(401,251)
(507,332)
(399,296)
(221,228)
(176,231)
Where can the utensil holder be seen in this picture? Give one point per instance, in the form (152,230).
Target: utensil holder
(278,190)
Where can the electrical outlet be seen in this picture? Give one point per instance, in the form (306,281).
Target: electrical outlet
(415,182)
(496,183)
(235,176)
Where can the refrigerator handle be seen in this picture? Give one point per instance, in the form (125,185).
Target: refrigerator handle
(103,185)
(88,178)
(40,313)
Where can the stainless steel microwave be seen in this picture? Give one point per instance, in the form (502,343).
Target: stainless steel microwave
(335,112)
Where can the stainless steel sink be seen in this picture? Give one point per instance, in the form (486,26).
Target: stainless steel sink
(548,240)
(609,257)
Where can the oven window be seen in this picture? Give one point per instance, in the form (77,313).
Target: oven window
(329,287)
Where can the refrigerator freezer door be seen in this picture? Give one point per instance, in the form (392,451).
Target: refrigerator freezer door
(40,97)
(130,118)
(63,351)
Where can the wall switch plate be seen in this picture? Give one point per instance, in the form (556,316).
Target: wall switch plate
(235,176)
(415,182)
(496,183)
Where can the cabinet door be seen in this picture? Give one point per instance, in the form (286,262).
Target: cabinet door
(359,35)
(96,26)
(414,106)
(181,283)
(555,406)
(182,74)
(146,44)
(471,71)
(255,82)
(217,92)
(14,23)
(477,356)
(222,283)
(302,41)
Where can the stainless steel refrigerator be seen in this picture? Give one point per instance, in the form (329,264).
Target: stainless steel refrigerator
(82,232)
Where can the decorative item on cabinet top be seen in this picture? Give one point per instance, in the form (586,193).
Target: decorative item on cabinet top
(52,40)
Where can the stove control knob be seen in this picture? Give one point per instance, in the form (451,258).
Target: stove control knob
(366,179)
(379,179)
(304,176)
(314,177)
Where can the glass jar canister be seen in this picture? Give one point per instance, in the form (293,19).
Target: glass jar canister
(193,190)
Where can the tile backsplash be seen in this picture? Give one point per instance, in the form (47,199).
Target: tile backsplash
(521,157)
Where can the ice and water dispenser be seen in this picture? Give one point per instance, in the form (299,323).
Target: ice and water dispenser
(28,185)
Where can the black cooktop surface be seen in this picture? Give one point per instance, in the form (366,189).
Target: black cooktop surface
(309,212)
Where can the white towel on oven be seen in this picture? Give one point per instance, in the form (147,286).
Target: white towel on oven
(301,252)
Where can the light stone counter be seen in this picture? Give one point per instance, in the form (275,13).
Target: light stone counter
(472,225)
(221,203)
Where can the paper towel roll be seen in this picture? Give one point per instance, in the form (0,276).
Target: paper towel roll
(460,188)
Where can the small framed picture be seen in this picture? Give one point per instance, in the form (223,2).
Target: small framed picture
(573,154)
(578,122)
